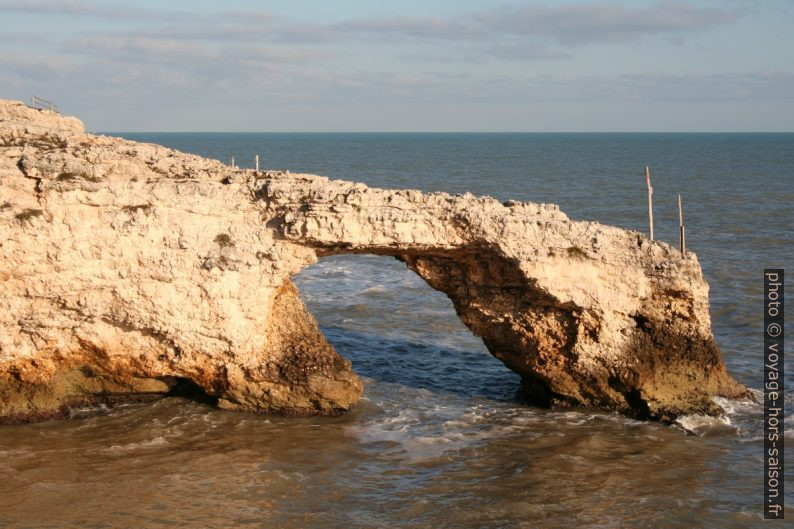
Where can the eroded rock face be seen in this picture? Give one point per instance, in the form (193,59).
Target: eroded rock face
(126,268)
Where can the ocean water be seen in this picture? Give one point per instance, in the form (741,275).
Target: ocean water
(441,438)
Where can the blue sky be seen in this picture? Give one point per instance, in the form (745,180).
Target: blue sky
(444,65)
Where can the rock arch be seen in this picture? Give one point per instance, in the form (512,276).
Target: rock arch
(587,314)
(126,268)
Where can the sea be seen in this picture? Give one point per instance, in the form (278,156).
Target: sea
(441,438)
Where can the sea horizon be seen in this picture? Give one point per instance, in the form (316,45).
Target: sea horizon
(435,132)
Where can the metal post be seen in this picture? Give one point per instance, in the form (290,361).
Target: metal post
(257,162)
(650,198)
(681,232)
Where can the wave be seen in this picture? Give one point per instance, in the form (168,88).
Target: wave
(151,443)
(743,417)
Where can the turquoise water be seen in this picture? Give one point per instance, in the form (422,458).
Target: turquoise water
(441,439)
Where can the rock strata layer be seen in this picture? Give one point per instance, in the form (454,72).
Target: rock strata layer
(130,270)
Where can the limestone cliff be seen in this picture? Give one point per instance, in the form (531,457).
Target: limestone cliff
(129,269)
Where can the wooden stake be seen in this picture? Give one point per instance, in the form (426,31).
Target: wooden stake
(650,198)
(256,158)
(681,232)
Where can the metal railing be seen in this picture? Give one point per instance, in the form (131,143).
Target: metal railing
(42,104)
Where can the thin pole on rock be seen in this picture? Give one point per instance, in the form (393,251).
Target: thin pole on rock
(681,232)
(256,159)
(650,198)
(232,162)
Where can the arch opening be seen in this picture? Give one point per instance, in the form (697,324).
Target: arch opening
(396,329)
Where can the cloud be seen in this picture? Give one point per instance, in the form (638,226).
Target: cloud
(571,24)
(459,28)
(758,85)
(516,33)
(163,59)
(606,22)
(78,8)
(119,10)
(466,87)
(655,87)
(567,24)
(36,67)
(525,52)
(187,54)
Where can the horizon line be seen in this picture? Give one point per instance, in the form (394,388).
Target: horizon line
(442,132)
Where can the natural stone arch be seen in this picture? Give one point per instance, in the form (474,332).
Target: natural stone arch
(587,314)
(127,267)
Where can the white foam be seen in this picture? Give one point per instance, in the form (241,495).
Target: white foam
(151,443)
(289,476)
(742,407)
(434,440)
(377,289)
(702,424)
(427,433)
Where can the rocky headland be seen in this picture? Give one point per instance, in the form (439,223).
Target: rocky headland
(130,271)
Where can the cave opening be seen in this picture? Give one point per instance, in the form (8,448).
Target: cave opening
(187,389)
(396,329)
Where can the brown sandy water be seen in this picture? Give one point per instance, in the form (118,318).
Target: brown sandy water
(441,464)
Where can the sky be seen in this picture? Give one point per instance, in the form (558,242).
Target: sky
(432,65)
